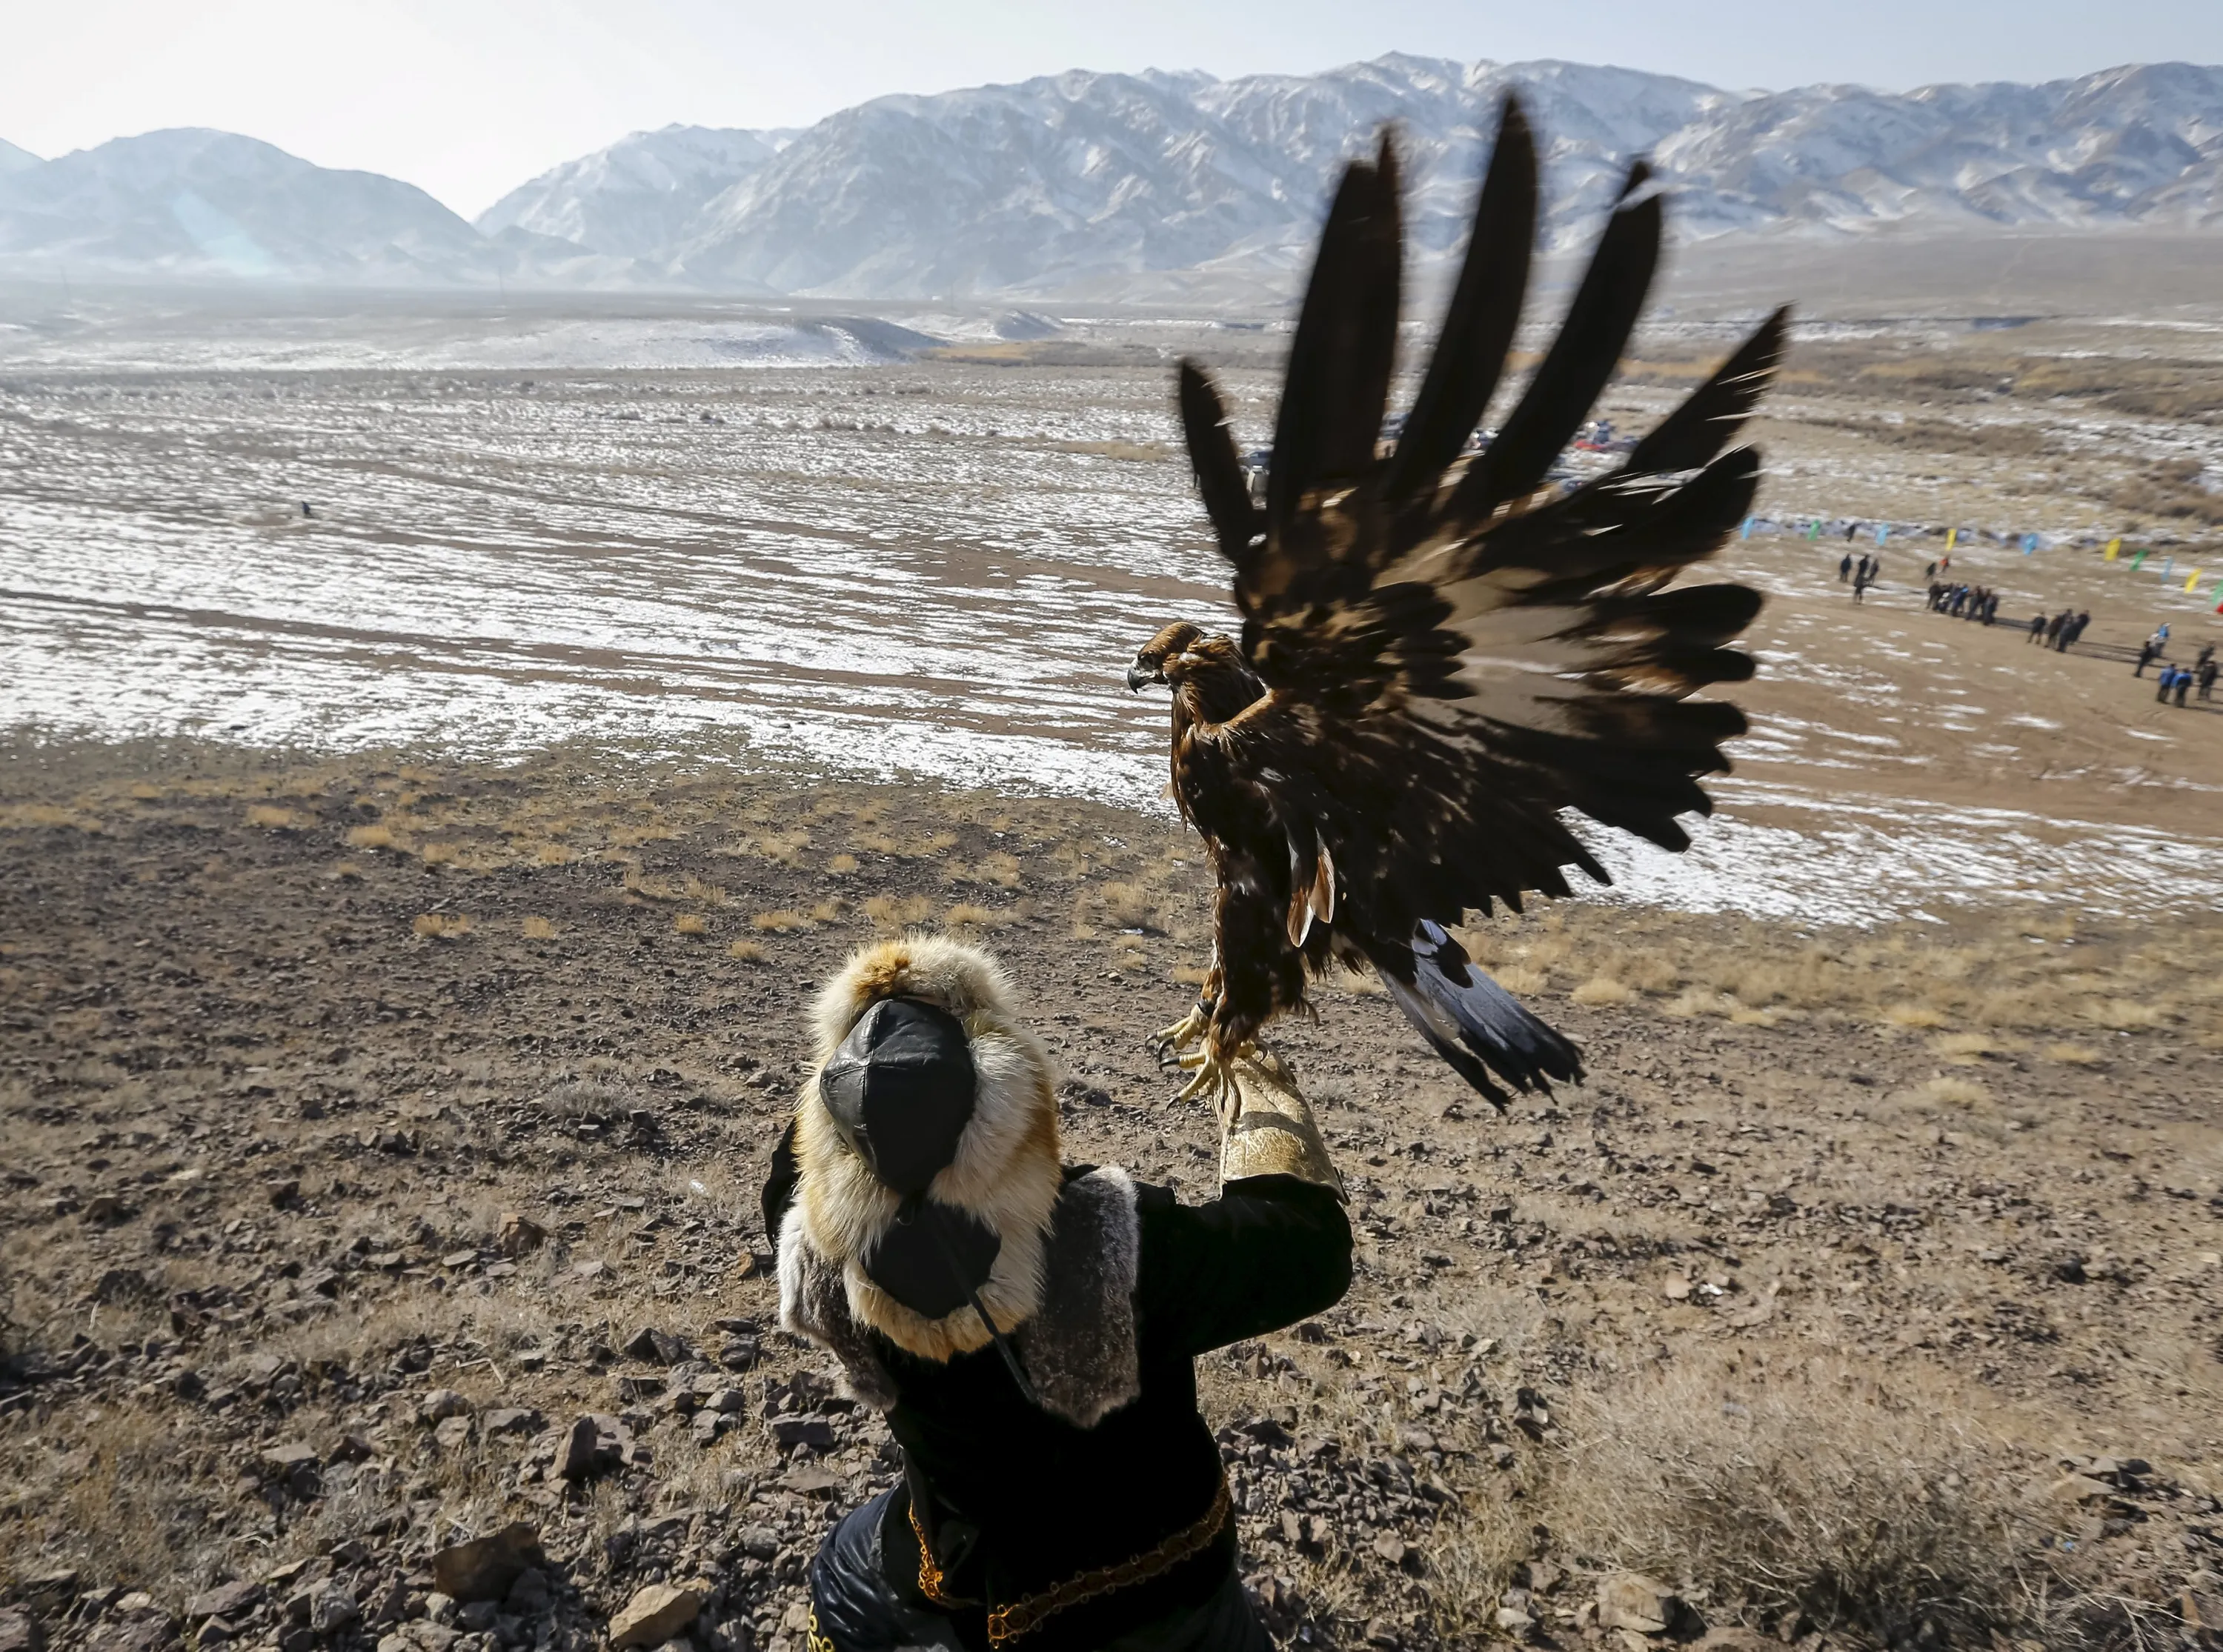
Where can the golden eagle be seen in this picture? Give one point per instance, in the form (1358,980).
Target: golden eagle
(1442,654)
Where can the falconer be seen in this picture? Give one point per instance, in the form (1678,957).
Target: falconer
(1028,1327)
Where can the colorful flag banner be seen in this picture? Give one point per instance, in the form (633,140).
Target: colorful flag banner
(2193,583)
(1746,534)
(1952,537)
(2139,561)
(1882,533)
(2029,544)
(2115,549)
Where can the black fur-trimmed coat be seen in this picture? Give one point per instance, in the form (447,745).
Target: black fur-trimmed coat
(1116,1458)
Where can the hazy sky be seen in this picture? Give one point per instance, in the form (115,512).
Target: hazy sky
(468,97)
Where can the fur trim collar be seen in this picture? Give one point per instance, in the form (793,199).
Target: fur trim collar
(1006,1171)
(1080,1349)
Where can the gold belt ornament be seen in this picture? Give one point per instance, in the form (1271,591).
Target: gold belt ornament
(1028,1613)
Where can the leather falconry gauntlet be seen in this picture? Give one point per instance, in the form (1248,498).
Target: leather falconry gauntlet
(1266,1128)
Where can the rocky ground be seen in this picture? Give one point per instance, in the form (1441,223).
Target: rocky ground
(382,1266)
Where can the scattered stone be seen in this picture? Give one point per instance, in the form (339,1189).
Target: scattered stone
(228,1601)
(759,1542)
(657,1614)
(2077,1488)
(1391,1547)
(452,1433)
(810,1479)
(391,1607)
(1514,1625)
(511,1419)
(815,1432)
(441,1404)
(486,1567)
(19,1631)
(653,1347)
(1631,1600)
(293,1464)
(519,1235)
(529,1595)
(1677,1289)
(477,1617)
(334,1608)
(592,1445)
(1380,1632)
(284,1195)
(103,1209)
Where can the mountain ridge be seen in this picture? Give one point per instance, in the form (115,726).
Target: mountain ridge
(1096,182)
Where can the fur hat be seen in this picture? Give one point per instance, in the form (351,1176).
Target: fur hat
(1007,1173)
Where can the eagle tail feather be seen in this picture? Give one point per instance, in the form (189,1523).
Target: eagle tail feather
(1477,1026)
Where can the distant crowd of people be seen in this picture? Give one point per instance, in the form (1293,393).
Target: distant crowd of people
(2058,632)
(1975,602)
(1868,572)
(1964,599)
(2173,682)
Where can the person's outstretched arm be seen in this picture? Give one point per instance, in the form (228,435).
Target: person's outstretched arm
(1274,1248)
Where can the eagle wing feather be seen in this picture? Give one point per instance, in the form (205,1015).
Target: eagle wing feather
(1454,664)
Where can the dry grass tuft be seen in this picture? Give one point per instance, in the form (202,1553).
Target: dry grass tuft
(539,929)
(747,951)
(692,923)
(1817,1491)
(439,854)
(1188,975)
(841,864)
(897,912)
(553,854)
(1912,1015)
(440,926)
(827,912)
(1957,1092)
(708,894)
(2126,1016)
(1964,1049)
(23,816)
(2075,1055)
(271,818)
(781,922)
(1524,978)
(1604,989)
(966,915)
(378,837)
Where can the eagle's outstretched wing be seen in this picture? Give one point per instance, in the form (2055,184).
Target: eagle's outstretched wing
(1452,659)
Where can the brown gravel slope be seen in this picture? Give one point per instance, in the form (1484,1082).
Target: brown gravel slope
(360,1119)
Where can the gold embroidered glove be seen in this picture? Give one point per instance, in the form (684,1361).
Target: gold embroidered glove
(1267,1126)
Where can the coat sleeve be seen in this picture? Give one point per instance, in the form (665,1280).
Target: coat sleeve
(1271,1250)
(780,1185)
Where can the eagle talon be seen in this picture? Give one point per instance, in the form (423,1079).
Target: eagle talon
(1168,1043)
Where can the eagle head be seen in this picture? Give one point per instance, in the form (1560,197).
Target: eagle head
(1159,660)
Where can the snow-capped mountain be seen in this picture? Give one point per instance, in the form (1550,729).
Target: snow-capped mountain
(635,199)
(14,159)
(1109,182)
(192,202)
(1087,178)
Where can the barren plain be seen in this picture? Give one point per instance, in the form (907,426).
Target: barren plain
(412,901)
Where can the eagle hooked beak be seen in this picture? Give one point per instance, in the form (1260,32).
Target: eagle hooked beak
(1139,676)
